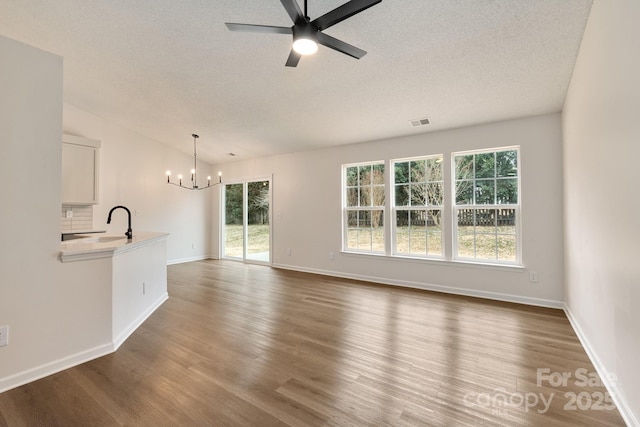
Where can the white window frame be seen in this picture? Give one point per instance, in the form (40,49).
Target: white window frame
(456,208)
(410,208)
(347,209)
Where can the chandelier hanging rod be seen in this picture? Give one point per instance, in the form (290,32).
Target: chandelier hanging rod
(194,172)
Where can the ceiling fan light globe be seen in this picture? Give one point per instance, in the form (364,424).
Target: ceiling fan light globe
(305,46)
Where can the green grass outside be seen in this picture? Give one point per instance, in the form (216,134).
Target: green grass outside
(487,243)
(257,239)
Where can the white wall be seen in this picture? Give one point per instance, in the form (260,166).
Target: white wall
(132,173)
(602,206)
(307,199)
(51,314)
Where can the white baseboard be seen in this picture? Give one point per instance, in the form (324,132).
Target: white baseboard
(618,400)
(33,374)
(539,302)
(122,336)
(191,259)
(53,367)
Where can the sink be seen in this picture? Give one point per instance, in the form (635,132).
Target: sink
(99,239)
(102,239)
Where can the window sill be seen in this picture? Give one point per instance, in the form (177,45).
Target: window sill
(439,261)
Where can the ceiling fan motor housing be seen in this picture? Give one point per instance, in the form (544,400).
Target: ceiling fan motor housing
(305,38)
(305,30)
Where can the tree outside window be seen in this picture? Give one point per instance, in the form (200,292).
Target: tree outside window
(364,207)
(487,205)
(418,199)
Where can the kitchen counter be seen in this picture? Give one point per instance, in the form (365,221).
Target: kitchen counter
(131,275)
(104,246)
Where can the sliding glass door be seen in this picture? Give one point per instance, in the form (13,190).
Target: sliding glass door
(247,221)
(233,221)
(258,224)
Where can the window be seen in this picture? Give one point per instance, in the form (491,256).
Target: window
(417,206)
(477,220)
(487,205)
(363,202)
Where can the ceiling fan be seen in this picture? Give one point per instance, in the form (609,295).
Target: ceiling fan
(307,34)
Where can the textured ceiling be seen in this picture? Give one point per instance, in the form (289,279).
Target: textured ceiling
(167,68)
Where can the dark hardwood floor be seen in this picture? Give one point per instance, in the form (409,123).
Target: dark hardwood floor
(248,345)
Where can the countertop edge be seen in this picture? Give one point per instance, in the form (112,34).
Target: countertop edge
(79,251)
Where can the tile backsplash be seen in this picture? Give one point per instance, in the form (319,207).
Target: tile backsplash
(81,218)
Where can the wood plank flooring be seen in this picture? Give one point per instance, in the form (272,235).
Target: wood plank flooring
(248,345)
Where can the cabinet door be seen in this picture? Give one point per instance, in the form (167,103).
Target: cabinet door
(79,175)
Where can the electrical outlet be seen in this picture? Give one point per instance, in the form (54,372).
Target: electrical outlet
(533,276)
(288,251)
(4,335)
(331,256)
(69,214)
(144,288)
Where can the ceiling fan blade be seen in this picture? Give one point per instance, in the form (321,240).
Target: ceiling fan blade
(293,9)
(294,58)
(343,12)
(340,46)
(258,28)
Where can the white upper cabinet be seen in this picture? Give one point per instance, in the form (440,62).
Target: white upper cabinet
(80,161)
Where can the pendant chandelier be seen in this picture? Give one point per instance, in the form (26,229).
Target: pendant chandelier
(194,173)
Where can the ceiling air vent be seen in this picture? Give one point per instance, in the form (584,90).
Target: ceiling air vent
(420,122)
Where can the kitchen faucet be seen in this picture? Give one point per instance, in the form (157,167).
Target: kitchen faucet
(129,232)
